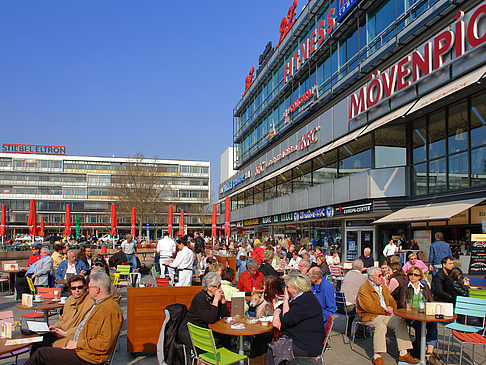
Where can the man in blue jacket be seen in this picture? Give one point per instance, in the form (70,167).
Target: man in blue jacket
(438,250)
(70,267)
(323,291)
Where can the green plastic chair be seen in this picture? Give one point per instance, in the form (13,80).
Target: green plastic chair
(477,293)
(202,338)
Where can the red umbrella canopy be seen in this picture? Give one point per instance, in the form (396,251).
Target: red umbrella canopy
(227,219)
(133,222)
(169,225)
(213,226)
(32,222)
(3,221)
(67,222)
(42,224)
(113,219)
(181,223)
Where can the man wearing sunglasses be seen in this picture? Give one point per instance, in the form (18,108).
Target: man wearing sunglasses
(375,308)
(75,309)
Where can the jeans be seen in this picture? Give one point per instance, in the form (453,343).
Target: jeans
(133,259)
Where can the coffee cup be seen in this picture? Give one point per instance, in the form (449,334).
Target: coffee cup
(63,299)
(38,298)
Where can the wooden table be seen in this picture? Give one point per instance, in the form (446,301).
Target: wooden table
(45,306)
(414,315)
(8,349)
(250,329)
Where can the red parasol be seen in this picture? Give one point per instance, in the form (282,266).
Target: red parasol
(32,222)
(42,225)
(181,223)
(67,222)
(213,226)
(113,219)
(169,225)
(227,226)
(3,221)
(134,222)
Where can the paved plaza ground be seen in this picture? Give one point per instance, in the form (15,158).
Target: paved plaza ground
(338,353)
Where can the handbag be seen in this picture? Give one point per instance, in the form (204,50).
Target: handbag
(282,350)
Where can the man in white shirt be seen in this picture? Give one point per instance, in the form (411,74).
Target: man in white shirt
(183,262)
(166,248)
(391,249)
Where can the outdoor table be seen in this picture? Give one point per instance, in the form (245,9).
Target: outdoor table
(7,349)
(250,329)
(14,273)
(414,315)
(45,306)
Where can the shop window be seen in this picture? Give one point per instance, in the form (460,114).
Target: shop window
(457,127)
(437,176)
(325,168)
(419,179)
(458,171)
(437,135)
(390,146)
(478,120)
(355,156)
(478,166)
(284,183)
(302,176)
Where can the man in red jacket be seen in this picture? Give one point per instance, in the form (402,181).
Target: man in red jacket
(252,278)
(257,253)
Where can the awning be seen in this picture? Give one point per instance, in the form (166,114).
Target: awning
(400,112)
(449,89)
(429,212)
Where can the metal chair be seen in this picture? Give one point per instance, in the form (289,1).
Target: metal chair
(202,338)
(341,304)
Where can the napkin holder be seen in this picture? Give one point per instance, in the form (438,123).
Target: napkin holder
(5,330)
(238,304)
(433,308)
(28,300)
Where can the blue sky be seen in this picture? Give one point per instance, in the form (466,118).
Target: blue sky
(119,77)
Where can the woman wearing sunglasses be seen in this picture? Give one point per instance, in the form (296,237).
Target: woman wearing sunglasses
(416,285)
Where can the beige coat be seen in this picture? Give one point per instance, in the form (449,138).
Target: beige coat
(368,302)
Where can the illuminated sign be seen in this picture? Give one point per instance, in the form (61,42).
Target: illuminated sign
(231,184)
(250,222)
(309,46)
(301,102)
(33,149)
(249,80)
(287,22)
(429,57)
(305,141)
(343,7)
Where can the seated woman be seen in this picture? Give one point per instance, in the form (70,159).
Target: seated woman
(75,309)
(227,276)
(398,283)
(416,285)
(457,285)
(266,267)
(385,269)
(299,317)
(208,306)
(414,261)
(321,262)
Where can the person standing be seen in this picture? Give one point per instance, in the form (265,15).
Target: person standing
(166,248)
(182,263)
(438,250)
(391,249)
(199,243)
(129,247)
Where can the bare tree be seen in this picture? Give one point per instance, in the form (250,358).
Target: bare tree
(142,184)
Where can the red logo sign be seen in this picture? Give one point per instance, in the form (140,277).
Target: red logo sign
(287,22)
(249,79)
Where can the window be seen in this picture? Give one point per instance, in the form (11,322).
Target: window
(390,146)
(478,168)
(458,171)
(478,120)
(355,156)
(437,135)
(457,127)
(302,176)
(325,167)
(270,189)
(437,176)
(284,183)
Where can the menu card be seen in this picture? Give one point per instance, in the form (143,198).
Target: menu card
(477,264)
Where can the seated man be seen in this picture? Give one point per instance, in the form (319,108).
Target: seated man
(252,278)
(375,307)
(39,273)
(75,309)
(350,286)
(323,290)
(439,281)
(95,337)
(117,258)
(69,267)
(367,259)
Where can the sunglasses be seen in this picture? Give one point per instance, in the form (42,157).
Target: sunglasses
(380,275)
(77,287)
(418,275)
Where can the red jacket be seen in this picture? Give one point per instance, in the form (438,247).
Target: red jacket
(246,283)
(257,254)
(33,259)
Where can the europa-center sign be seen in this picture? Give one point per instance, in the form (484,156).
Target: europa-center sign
(33,149)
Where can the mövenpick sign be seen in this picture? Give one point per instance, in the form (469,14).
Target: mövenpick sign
(426,59)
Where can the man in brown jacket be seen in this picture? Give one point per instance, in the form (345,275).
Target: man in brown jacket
(375,308)
(96,335)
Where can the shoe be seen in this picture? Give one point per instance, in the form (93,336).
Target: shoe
(431,359)
(408,358)
(378,361)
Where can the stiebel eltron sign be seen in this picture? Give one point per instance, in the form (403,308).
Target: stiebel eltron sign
(33,149)
(466,33)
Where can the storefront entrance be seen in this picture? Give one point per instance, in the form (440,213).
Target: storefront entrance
(359,235)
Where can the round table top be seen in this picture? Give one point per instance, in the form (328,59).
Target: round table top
(414,315)
(250,329)
(47,304)
(6,349)
(13,271)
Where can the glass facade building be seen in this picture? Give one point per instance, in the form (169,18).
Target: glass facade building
(360,112)
(85,184)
